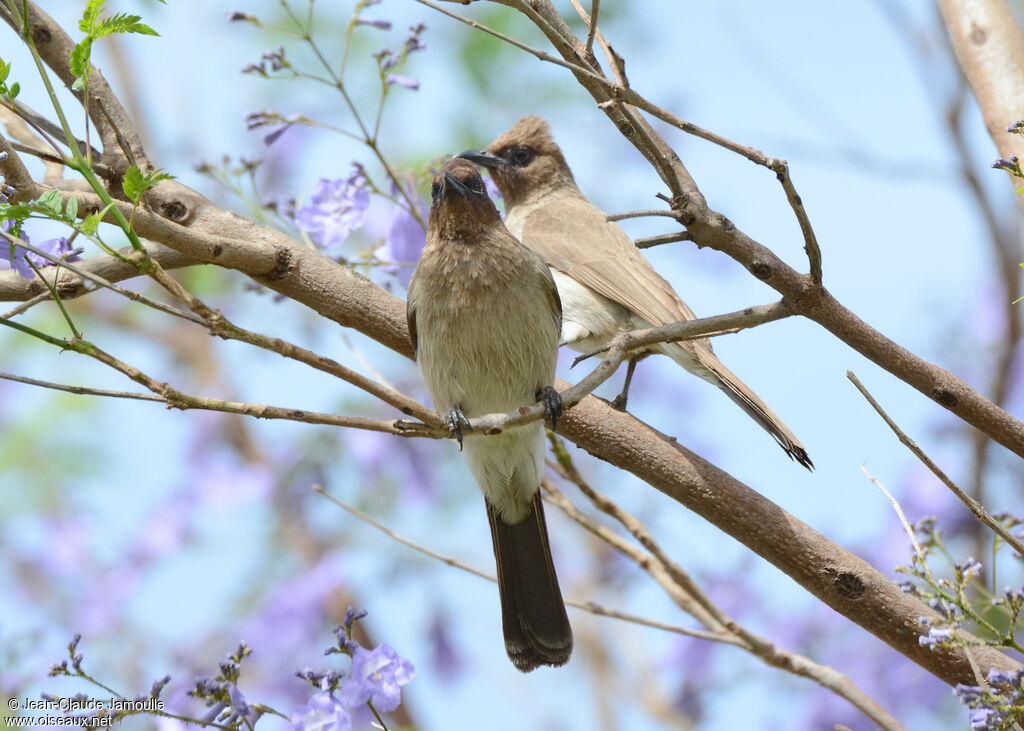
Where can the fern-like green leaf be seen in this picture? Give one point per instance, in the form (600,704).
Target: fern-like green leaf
(123,23)
(93,8)
(80,57)
(136,184)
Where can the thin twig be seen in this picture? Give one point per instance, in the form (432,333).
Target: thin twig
(640,214)
(649,241)
(973,505)
(82,390)
(455,563)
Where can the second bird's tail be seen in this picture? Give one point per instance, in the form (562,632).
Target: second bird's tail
(704,364)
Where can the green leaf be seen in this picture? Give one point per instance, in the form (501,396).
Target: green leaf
(80,57)
(50,202)
(91,222)
(92,11)
(71,209)
(13,91)
(123,23)
(135,183)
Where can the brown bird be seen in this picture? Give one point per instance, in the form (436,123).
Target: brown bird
(606,285)
(485,318)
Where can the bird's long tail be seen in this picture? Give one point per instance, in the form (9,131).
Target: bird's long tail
(533,617)
(712,370)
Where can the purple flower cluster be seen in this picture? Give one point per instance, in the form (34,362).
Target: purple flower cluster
(1011,165)
(18,257)
(996,707)
(335,208)
(377,677)
(388,59)
(270,61)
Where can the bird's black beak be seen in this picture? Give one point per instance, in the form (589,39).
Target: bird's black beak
(455,185)
(482,157)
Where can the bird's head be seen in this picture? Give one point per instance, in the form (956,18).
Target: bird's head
(459,201)
(525,161)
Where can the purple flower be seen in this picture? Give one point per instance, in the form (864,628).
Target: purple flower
(324,712)
(985,718)
(377,676)
(18,258)
(1001,163)
(999,676)
(935,636)
(335,209)
(414,42)
(382,24)
(403,81)
(969,567)
(387,58)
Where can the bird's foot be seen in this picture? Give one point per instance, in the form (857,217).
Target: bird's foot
(457,421)
(552,401)
(619,402)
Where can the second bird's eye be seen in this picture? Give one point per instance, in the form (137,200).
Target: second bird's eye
(521,155)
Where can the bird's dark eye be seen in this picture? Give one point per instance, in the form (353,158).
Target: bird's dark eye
(434,190)
(475,184)
(521,155)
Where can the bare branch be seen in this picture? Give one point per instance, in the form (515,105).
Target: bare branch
(81,390)
(641,214)
(16,175)
(973,505)
(648,242)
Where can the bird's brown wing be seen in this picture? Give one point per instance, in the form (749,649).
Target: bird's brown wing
(575,237)
(410,311)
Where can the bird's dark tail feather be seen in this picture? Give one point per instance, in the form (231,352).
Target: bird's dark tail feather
(533,617)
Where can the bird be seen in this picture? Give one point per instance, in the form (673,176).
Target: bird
(485,321)
(606,284)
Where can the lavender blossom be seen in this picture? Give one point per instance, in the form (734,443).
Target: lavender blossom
(935,637)
(387,58)
(377,676)
(324,712)
(335,209)
(403,81)
(18,257)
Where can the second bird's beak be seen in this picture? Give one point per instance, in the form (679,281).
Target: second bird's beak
(482,157)
(455,185)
